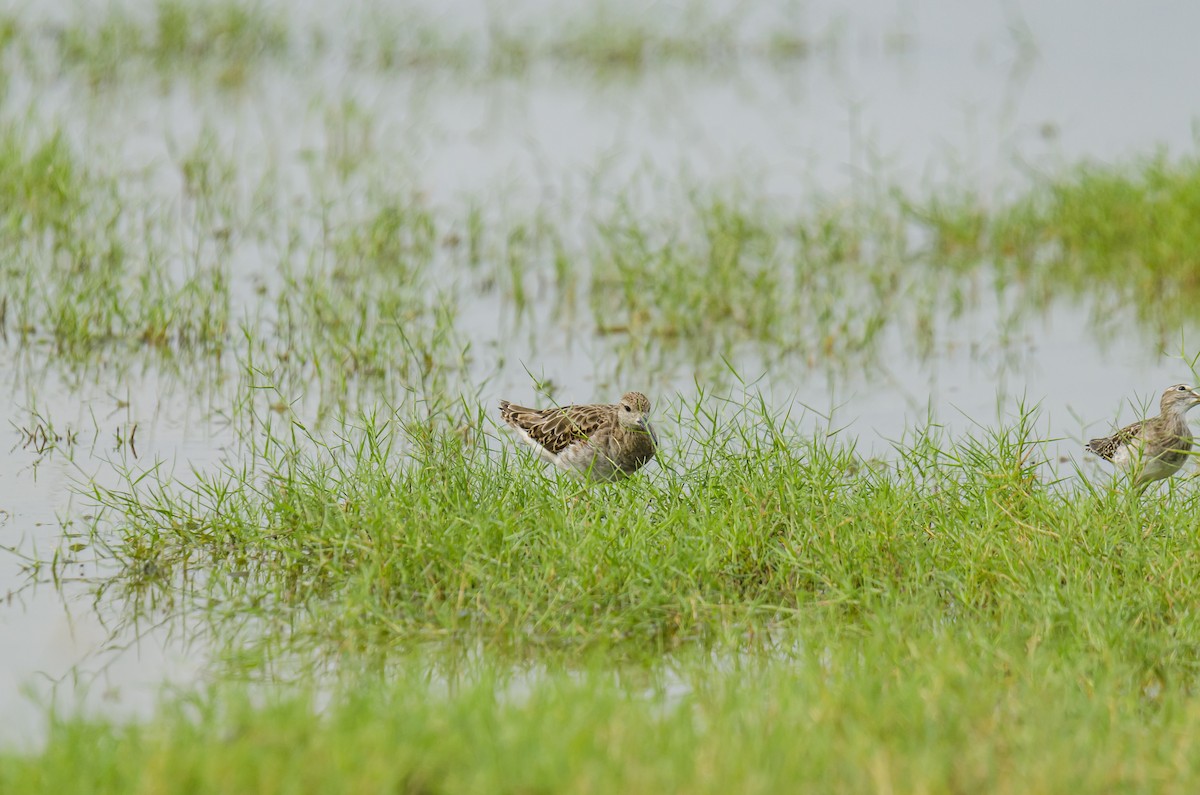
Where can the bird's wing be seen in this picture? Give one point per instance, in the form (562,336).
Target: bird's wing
(557,428)
(1106,447)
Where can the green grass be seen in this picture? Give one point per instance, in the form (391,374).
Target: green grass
(718,272)
(409,40)
(74,278)
(226,43)
(764,608)
(383,277)
(1125,234)
(942,712)
(382,535)
(43,180)
(805,286)
(761,609)
(604,39)
(611,37)
(221,38)
(898,700)
(715,267)
(94,272)
(75,275)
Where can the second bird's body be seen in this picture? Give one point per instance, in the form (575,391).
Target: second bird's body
(1155,448)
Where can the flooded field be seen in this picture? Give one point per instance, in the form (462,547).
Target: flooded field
(882,270)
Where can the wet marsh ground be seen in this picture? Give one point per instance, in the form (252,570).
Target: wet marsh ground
(266,275)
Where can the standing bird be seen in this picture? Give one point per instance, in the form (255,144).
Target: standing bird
(1155,448)
(598,443)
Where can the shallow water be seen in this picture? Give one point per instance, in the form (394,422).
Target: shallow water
(940,93)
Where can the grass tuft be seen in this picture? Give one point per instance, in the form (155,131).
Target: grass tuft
(405,532)
(1127,234)
(219,37)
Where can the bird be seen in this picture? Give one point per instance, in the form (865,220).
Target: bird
(1156,448)
(598,443)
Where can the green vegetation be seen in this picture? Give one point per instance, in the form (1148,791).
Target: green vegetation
(178,37)
(720,271)
(226,42)
(408,39)
(391,594)
(417,531)
(94,276)
(936,709)
(42,183)
(807,287)
(609,37)
(817,285)
(381,285)
(764,611)
(604,38)
(1126,233)
(74,279)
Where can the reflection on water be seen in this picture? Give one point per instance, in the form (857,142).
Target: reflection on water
(67,435)
(285,177)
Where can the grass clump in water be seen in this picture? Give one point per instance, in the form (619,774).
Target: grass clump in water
(68,276)
(612,38)
(42,182)
(819,287)
(409,40)
(364,312)
(74,276)
(717,275)
(178,38)
(1129,233)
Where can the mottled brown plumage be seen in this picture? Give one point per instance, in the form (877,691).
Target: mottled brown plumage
(599,442)
(1156,448)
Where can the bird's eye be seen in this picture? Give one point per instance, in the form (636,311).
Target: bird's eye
(628,409)
(1181,388)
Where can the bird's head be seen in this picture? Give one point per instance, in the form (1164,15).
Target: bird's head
(1179,398)
(634,410)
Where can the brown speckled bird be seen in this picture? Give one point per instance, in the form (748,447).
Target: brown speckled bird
(598,443)
(1155,448)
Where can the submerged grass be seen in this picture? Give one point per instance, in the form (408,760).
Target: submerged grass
(800,288)
(226,43)
(718,274)
(813,287)
(93,275)
(44,183)
(75,278)
(603,39)
(216,37)
(889,709)
(1125,234)
(610,38)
